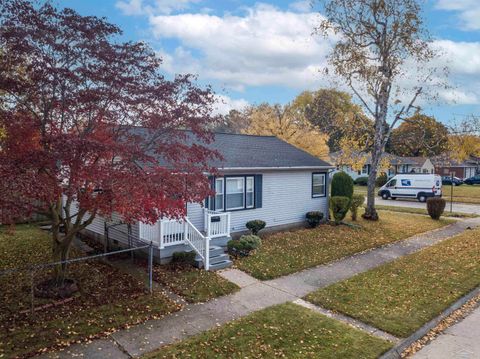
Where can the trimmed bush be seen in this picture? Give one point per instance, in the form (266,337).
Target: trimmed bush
(183,258)
(381,180)
(342,185)
(314,218)
(255,226)
(243,246)
(435,207)
(357,201)
(362,181)
(339,206)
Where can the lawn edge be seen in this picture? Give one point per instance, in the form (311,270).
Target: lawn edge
(398,349)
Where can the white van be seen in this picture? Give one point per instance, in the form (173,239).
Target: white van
(411,185)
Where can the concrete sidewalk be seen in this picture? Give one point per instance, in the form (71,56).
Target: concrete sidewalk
(456,207)
(461,341)
(254,295)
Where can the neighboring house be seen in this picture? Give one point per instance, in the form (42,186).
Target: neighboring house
(260,177)
(397,165)
(446,166)
(413,165)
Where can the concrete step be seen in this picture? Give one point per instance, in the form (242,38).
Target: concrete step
(219,258)
(214,251)
(221,265)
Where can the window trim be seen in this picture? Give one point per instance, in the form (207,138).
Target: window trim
(224,180)
(226,194)
(324,194)
(222,194)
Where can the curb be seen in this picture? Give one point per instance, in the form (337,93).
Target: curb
(397,350)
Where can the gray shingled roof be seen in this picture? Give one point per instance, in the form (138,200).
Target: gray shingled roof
(247,151)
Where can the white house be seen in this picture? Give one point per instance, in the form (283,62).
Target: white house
(261,177)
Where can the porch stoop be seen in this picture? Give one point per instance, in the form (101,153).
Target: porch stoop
(218,259)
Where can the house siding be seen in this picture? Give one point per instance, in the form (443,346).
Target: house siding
(287,197)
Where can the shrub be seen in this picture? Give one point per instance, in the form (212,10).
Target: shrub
(255,226)
(244,245)
(339,206)
(314,218)
(435,207)
(183,258)
(342,185)
(357,201)
(381,180)
(362,181)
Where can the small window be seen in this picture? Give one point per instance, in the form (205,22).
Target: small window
(219,194)
(318,184)
(250,194)
(235,193)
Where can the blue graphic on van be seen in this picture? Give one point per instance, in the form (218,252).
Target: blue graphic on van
(406,182)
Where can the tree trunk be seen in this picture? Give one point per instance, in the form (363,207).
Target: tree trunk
(61,249)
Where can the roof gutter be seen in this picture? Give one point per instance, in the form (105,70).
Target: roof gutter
(276,168)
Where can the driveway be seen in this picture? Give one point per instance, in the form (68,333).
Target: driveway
(461,341)
(457,207)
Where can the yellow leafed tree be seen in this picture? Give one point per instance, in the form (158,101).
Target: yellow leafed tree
(289,125)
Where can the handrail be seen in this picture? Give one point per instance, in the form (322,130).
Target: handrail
(196,240)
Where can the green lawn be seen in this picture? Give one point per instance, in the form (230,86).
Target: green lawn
(283,331)
(288,252)
(424,211)
(193,284)
(108,299)
(401,296)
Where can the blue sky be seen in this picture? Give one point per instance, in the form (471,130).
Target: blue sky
(253,52)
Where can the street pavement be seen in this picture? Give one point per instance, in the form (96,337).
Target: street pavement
(456,207)
(460,341)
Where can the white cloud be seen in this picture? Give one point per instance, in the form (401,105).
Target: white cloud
(301,6)
(468,12)
(266,46)
(225,103)
(153,7)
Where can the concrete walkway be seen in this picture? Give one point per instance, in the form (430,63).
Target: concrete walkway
(461,341)
(254,295)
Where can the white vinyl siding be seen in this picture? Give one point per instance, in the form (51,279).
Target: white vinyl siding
(286,198)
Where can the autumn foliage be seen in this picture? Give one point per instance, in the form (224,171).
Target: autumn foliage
(70,95)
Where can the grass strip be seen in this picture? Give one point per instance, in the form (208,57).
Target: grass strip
(401,296)
(286,330)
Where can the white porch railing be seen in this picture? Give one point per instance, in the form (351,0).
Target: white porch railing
(217,224)
(198,242)
(170,232)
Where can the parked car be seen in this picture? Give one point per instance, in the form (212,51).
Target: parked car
(473,180)
(418,186)
(448,181)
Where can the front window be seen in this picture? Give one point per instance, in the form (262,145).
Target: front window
(392,183)
(235,193)
(249,195)
(219,194)
(318,185)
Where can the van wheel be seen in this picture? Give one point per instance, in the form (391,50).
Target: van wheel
(385,195)
(422,198)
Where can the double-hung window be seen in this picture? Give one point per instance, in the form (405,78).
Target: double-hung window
(249,192)
(318,184)
(235,193)
(219,194)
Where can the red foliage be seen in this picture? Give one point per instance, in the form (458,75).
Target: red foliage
(70,95)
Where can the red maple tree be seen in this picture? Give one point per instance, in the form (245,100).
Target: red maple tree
(86,117)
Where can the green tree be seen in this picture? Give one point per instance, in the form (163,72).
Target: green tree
(419,135)
(384,57)
(334,113)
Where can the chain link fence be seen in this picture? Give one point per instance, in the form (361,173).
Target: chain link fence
(94,272)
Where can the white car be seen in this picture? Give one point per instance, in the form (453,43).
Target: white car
(418,186)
